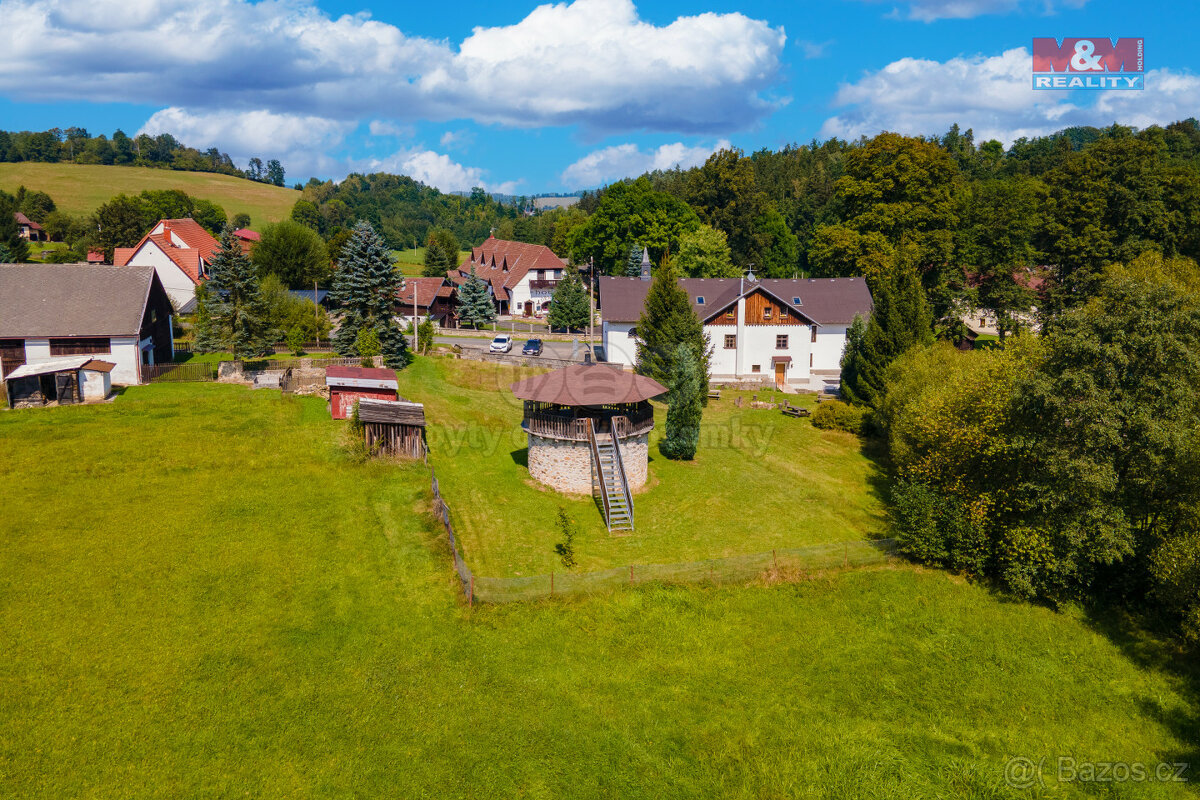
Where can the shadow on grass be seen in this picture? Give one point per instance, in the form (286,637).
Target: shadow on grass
(521,457)
(879,481)
(1157,649)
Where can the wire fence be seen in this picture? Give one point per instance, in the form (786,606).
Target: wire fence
(176,373)
(786,564)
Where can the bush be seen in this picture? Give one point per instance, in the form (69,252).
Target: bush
(834,415)
(367,345)
(295,340)
(937,529)
(566,548)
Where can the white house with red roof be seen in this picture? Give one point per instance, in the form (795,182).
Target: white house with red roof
(29,230)
(521,276)
(180,251)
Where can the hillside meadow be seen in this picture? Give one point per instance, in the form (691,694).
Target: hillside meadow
(203,594)
(82,188)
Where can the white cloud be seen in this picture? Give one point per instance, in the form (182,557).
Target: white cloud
(460,138)
(591,63)
(994,96)
(628,160)
(299,141)
(381,127)
(435,169)
(931,10)
(814,49)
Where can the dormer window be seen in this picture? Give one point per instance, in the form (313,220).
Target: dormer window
(700,300)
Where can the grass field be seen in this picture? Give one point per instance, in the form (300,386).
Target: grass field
(782,483)
(81,188)
(412,261)
(202,596)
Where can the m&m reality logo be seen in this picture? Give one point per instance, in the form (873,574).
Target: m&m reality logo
(1095,62)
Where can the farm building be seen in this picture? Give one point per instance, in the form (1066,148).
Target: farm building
(589,431)
(117,314)
(393,427)
(66,381)
(347,385)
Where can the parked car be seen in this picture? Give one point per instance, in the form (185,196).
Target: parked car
(533,347)
(501,344)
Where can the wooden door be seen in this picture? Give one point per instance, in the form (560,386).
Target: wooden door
(529,308)
(780,377)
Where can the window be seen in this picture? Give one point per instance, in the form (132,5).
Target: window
(767,312)
(796,301)
(756,368)
(729,314)
(730,341)
(700,300)
(814,333)
(782,314)
(79,347)
(781,343)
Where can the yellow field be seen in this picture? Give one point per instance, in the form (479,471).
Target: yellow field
(81,188)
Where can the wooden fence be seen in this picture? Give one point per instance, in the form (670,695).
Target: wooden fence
(173,373)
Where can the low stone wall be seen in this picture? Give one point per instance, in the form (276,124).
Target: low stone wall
(566,465)
(474,354)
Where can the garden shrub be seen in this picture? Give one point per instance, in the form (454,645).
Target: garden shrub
(834,415)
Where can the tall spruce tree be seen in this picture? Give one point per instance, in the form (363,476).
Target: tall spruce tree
(569,308)
(633,264)
(475,306)
(16,248)
(684,407)
(668,321)
(234,317)
(365,288)
(900,319)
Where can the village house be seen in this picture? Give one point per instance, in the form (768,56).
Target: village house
(790,333)
(180,251)
(120,315)
(247,239)
(521,277)
(426,298)
(29,230)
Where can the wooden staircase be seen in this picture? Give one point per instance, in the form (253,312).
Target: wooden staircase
(608,476)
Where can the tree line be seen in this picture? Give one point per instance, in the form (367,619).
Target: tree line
(77,146)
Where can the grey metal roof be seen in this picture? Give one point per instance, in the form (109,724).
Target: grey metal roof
(826,301)
(41,300)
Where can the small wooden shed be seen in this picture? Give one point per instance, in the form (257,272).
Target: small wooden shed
(393,427)
(74,379)
(347,385)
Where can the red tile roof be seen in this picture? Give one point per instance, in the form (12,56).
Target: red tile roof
(427,289)
(246,233)
(198,244)
(24,220)
(503,264)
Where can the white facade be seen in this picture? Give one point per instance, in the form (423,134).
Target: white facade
(755,350)
(124,351)
(179,285)
(522,291)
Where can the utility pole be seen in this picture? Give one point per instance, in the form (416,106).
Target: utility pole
(591,303)
(316,313)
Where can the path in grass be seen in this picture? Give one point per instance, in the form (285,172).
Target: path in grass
(760,481)
(82,188)
(201,596)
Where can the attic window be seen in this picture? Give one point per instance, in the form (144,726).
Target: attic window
(796,301)
(700,300)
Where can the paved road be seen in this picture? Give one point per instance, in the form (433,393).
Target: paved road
(564,350)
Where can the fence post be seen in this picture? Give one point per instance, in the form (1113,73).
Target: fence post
(774,561)
(846,557)
(631,574)
(552,583)
(471,596)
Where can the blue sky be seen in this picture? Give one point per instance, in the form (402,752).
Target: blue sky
(527,98)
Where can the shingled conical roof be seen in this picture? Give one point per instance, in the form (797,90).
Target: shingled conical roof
(588,385)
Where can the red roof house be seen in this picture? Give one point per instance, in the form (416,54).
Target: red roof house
(522,276)
(348,385)
(247,238)
(29,230)
(433,298)
(180,251)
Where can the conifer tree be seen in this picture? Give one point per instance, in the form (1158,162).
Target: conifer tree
(231,309)
(684,407)
(475,303)
(900,319)
(633,265)
(569,308)
(365,288)
(668,321)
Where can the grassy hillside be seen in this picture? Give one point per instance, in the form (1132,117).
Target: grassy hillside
(203,596)
(80,188)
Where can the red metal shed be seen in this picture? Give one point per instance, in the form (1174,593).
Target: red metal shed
(349,384)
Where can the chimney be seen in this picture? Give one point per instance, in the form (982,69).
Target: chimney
(645,264)
(587,356)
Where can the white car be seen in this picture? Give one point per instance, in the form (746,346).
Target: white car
(501,344)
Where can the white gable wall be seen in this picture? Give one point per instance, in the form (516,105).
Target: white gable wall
(124,352)
(827,350)
(179,285)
